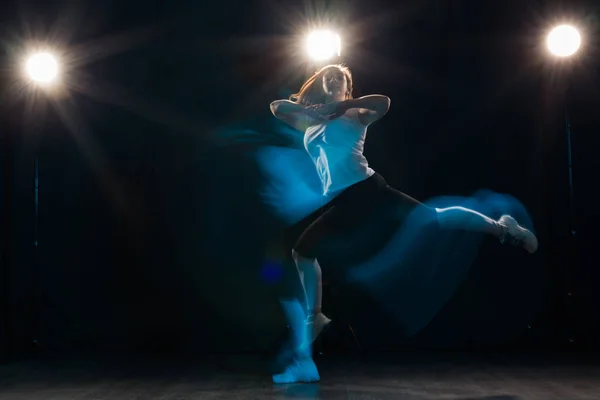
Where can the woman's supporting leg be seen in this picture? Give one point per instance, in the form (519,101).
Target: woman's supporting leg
(300,317)
(296,318)
(301,368)
(311,277)
(296,356)
(305,256)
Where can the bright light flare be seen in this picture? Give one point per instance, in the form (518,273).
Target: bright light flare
(564,41)
(323,45)
(42,68)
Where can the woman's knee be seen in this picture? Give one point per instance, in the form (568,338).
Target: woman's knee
(301,256)
(419,212)
(306,248)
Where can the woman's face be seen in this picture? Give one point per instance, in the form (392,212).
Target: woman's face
(335,85)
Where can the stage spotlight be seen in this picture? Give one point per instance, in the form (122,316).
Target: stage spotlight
(564,41)
(42,68)
(323,45)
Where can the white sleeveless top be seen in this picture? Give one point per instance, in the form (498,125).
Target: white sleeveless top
(336,148)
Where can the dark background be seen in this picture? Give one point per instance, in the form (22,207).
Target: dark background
(151,230)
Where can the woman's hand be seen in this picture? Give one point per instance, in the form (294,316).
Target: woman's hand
(326,112)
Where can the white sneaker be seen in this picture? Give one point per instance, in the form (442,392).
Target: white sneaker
(516,235)
(300,370)
(320,323)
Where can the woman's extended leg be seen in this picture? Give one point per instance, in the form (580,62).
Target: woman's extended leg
(465,219)
(506,228)
(460,218)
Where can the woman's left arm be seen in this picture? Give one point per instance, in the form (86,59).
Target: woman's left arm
(370,108)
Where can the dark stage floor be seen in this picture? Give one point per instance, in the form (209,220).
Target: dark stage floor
(398,376)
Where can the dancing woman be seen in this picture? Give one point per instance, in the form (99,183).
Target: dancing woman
(335,127)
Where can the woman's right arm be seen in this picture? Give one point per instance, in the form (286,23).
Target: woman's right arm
(291,113)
